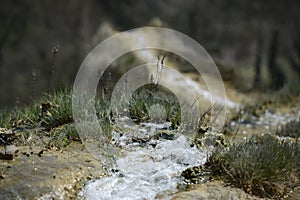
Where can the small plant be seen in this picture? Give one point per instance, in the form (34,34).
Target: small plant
(149,95)
(155,98)
(25,117)
(5,118)
(62,136)
(260,166)
(291,129)
(56,109)
(54,52)
(33,82)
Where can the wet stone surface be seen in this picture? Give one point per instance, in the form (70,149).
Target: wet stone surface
(42,174)
(265,122)
(213,191)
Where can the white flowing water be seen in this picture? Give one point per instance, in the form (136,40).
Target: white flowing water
(148,171)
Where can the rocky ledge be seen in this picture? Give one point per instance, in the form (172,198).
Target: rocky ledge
(36,173)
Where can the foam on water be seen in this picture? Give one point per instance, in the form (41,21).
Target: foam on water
(147,172)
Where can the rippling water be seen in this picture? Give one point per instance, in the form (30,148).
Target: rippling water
(147,171)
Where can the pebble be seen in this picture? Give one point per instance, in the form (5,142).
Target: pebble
(9,152)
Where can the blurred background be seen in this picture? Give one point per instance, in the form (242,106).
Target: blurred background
(255,44)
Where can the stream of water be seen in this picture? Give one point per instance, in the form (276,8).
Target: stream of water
(150,167)
(150,170)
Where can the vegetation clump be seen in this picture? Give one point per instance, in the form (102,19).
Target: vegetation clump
(50,117)
(261,166)
(150,95)
(291,129)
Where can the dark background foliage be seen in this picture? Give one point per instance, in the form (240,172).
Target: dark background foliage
(239,33)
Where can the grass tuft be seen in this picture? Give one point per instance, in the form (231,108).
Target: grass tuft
(56,109)
(291,129)
(260,166)
(150,95)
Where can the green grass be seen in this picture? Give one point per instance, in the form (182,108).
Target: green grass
(52,114)
(260,166)
(56,109)
(5,117)
(50,111)
(150,95)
